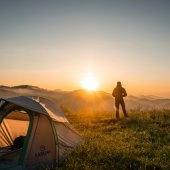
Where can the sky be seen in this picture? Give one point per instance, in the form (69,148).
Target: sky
(55,44)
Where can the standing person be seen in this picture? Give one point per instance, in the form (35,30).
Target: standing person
(119,92)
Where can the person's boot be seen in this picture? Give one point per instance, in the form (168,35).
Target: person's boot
(117,116)
(125,115)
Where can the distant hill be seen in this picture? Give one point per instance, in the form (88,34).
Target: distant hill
(30,87)
(4,93)
(79,101)
(26,87)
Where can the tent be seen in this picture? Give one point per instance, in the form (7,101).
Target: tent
(34,134)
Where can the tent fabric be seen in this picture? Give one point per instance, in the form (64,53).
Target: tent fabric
(50,136)
(13,129)
(14,125)
(43,135)
(27,103)
(67,135)
(54,112)
(11,158)
(39,105)
(18,115)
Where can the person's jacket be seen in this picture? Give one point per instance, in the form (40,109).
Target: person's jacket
(119,93)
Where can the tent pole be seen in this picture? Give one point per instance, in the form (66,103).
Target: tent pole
(8,131)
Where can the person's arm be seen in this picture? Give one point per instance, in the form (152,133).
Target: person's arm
(114,93)
(124,93)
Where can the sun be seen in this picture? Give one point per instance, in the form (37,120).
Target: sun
(90,83)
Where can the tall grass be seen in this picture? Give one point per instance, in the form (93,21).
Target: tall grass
(140,142)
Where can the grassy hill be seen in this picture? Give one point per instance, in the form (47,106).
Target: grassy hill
(140,142)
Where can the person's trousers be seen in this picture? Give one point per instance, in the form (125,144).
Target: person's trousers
(117,104)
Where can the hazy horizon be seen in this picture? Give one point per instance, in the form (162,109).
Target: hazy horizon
(56,44)
(98,90)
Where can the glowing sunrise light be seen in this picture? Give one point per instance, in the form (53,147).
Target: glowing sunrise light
(90,83)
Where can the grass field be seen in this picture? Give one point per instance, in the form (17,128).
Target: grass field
(141,141)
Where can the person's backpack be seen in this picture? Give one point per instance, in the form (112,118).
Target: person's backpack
(18,142)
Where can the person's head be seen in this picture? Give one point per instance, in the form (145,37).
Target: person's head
(119,84)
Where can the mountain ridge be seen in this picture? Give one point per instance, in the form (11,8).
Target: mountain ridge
(81,100)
